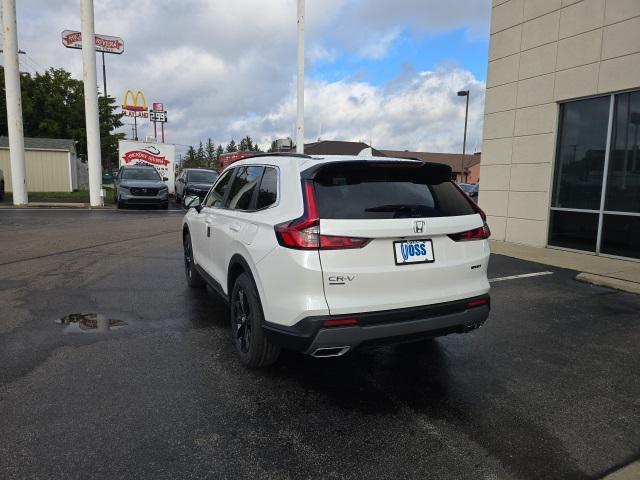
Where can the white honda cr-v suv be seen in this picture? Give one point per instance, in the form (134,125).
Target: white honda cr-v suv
(323,254)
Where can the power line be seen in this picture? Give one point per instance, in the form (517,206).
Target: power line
(33,61)
(26,61)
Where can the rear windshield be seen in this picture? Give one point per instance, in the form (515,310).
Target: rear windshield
(202,176)
(360,190)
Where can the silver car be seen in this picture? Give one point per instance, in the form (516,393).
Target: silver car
(140,185)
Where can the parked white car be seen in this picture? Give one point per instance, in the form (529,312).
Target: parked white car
(323,254)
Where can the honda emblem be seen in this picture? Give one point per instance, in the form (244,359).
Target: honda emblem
(418,226)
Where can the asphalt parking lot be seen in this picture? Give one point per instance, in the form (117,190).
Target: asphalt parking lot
(547,389)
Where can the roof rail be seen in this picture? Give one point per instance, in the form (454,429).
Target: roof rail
(281,154)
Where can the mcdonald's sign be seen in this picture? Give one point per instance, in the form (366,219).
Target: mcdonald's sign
(134,104)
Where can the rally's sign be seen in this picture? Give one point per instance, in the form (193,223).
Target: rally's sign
(161,156)
(134,104)
(104,43)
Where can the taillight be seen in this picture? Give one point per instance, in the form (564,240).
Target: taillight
(473,204)
(304,233)
(328,242)
(480,233)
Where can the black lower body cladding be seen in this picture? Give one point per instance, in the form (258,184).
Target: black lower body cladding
(388,326)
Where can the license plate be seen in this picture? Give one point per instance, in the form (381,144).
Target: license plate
(413,251)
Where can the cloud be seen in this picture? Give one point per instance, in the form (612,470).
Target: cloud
(418,111)
(225,68)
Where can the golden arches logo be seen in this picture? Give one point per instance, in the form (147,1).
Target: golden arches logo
(138,102)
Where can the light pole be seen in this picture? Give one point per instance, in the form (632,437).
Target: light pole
(300,112)
(15,126)
(464,93)
(91,102)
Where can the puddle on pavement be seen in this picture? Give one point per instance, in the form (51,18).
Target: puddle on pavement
(90,322)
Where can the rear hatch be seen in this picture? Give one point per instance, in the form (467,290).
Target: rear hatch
(396,234)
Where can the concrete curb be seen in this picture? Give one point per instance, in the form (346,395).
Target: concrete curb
(55,205)
(616,283)
(630,472)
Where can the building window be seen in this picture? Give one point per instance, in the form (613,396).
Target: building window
(595,204)
(581,151)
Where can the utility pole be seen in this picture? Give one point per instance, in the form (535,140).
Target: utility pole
(300,115)
(14,103)
(464,93)
(91,102)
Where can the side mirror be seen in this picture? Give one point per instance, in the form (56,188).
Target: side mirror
(192,201)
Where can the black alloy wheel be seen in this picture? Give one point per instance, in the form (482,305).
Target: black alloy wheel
(194,280)
(242,315)
(245,312)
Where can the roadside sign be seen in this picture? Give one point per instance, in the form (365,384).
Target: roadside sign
(134,104)
(104,43)
(158,107)
(160,117)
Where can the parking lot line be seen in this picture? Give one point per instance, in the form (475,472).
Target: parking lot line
(515,277)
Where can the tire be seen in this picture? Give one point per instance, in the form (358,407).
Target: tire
(246,317)
(178,199)
(1,191)
(119,204)
(194,279)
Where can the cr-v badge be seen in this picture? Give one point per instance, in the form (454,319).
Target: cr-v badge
(340,279)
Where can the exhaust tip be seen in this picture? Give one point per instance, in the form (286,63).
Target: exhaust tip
(326,352)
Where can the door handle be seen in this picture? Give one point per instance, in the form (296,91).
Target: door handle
(234,227)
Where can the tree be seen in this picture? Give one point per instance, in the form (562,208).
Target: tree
(109,121)
(201,157)
(246,144)
(273,147)
(232,147)
(219,151)
(190,159)
(210,153)
(53,106)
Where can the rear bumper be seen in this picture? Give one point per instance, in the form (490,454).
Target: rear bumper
(390,326)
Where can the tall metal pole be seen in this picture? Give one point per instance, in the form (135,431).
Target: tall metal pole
(300,115)
(14,103)
(464,142)
(106,105)
(91,102)
(104,76)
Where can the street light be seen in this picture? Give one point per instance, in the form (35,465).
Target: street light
(464,93)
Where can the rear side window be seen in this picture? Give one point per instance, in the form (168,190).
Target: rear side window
(367,190)
(243,188)
(268,191)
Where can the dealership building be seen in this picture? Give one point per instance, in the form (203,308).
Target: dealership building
(560,158)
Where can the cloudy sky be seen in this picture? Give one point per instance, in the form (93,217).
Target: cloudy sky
(379,70)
